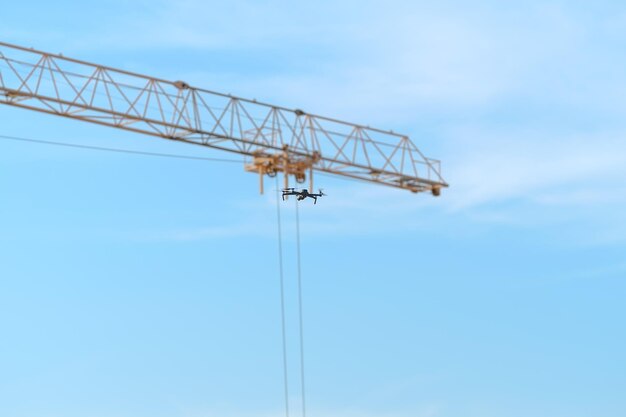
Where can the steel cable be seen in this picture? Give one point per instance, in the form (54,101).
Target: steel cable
(301,321)
(282,298)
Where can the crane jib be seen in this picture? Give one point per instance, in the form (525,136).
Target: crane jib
(277,139)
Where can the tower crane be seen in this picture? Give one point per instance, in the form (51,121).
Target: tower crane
(274,139)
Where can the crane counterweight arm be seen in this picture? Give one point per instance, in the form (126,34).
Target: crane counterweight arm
(276,138)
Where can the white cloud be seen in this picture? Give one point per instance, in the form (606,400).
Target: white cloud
(496,177)
(214,25)
(380,64)
(414,64)
(492,166)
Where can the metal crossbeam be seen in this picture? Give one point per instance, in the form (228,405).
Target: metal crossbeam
(278,139)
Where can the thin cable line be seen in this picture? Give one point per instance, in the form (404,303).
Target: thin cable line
(300,309)
(117,150)
(282,299)
(163,155)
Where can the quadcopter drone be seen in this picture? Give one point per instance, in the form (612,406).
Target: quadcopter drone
(301,195)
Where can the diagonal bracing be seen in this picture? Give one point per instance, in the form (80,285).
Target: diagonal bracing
(276,138)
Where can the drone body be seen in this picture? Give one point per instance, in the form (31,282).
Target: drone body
(301,195)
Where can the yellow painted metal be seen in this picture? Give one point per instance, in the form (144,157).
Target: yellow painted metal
(277,139)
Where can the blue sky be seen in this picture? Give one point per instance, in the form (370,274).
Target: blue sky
(138,286)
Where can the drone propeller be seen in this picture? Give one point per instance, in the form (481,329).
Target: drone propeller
(322,192)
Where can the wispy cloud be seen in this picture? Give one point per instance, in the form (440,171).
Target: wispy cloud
(493,166)
(496,178)
(526,117)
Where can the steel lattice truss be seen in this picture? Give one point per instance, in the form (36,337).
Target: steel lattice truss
(278,139)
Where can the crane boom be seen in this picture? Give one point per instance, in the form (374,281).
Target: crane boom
(276,139)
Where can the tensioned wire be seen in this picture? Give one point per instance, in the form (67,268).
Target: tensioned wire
(301,321)
(117,150)
(282,304)
(364,140)
(282,298)
(280,250)
(143,153)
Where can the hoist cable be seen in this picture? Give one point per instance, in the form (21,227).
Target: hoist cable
(282,298)
(300,309)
